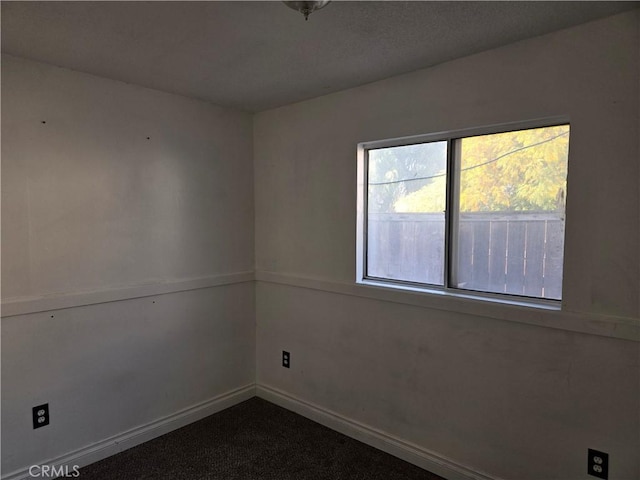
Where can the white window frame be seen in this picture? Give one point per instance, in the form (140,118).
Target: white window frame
(451,220)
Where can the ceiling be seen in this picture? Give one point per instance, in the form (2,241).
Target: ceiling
(259,55)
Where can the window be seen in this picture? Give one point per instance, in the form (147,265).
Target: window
(475,211)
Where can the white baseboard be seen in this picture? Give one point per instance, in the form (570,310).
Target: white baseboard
(387,443)
(382,441)
(123,441)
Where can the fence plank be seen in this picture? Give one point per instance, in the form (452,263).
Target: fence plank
(534,257)
(411,261)
(516,240)
(497,256)
(433,248)
(465,255)
(553,259)
(480,276)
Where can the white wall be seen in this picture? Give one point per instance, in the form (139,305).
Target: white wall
(461,382)
(127,265)
(92,204)
(93,211)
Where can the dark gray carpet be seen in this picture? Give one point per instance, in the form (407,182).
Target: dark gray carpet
(254,440)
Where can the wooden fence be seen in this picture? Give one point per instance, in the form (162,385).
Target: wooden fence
(517,253)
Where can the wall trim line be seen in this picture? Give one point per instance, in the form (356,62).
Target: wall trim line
(118,443)
(57,301)
(390,444)
(611,326)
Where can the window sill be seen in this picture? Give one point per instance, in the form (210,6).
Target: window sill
(546,316)
(512,300)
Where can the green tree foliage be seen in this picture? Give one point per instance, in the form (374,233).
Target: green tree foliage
(524,170)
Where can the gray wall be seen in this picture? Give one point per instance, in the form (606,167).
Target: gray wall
(462,380)
(93,211)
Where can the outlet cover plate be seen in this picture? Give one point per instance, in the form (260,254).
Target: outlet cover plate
(40,415)
(598,464)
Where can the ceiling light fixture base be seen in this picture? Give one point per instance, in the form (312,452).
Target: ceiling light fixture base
(307,8)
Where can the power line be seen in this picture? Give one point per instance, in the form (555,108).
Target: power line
(474,166)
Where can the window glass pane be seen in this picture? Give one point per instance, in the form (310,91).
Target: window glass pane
(510,231)
(405,212)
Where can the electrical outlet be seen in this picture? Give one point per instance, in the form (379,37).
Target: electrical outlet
(286,356)
(598,464)
(40,415)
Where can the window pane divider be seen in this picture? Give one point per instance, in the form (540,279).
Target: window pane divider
(451,215)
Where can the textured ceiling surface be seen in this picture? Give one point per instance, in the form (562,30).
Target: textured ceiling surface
(259,55)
